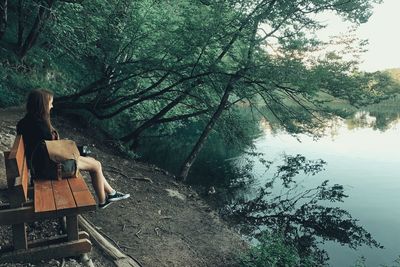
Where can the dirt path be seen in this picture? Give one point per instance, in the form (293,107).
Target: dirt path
(164,223)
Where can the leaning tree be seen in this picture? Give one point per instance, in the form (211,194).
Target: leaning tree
(139,65)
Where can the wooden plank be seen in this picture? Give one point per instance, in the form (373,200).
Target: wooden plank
(19,192)
(15,215)
(28,214)
(16,195)
(77,184)
(16,156)
(84,199)
(17,173)
(45,184)
(98,239)
(30,193)
(54,240)
(109,249)
(8,206)
(9,172)
(43,196)
(62,195)
(19,236)
(25,179)
(72,227)
(67,249)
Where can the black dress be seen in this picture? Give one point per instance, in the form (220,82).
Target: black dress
(34,131)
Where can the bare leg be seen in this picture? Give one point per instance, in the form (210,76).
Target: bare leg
(99,182)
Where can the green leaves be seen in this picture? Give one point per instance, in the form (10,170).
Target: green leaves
(296,218)
(164,64)
(273,250)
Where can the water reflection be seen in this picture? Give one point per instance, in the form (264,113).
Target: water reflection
(306,216)
(386,114)
(367,163)
(364,164)
(213,166)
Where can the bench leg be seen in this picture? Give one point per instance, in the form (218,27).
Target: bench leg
(19,236)
(63,224)
(72,227)
(62,250)
(54,240)
(73,235)
(86,260)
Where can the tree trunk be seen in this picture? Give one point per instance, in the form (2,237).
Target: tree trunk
(187,164)
(3,17)
(133,136)
(37,27)
(20,24)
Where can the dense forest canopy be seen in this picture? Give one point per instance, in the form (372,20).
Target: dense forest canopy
(135,66)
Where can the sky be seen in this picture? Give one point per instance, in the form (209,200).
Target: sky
(382,32)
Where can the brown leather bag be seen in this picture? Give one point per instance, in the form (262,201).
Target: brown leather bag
(55,159)
(60,150)
(64,153)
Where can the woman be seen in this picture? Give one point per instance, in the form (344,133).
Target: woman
(36,127)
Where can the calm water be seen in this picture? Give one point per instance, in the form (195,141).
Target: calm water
(365,161)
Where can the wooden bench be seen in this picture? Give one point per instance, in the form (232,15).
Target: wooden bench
(48,199)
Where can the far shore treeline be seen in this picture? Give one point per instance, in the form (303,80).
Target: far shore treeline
(139,68)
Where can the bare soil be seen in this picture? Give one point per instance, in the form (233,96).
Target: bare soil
(163,223)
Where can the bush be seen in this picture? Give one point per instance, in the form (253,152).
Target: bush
(273,250)
(8,97)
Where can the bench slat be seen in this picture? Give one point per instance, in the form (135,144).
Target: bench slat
(44,198)
(62,195)
(20,187)
(77,184)
(9,173)
(17,172)
(24,179)
(16,157)
(28,214)
(61,250)
(83,197)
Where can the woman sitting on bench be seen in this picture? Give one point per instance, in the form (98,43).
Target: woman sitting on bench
(36,126)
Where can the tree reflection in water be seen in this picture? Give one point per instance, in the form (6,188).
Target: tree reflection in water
(304,217)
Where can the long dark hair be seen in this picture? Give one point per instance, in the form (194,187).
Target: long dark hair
(37,105)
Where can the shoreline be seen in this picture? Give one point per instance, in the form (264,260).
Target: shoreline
(164,223)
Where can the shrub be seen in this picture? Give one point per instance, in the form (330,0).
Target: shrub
(273,250)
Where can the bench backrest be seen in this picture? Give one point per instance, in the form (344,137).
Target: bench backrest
(17,172)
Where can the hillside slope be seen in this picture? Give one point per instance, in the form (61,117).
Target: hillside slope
(164,223)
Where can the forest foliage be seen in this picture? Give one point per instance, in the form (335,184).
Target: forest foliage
(140,66)
(153,68)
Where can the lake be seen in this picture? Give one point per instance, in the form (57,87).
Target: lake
(365,161)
